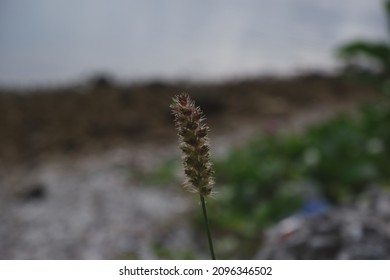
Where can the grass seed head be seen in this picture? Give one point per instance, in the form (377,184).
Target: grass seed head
(194,144)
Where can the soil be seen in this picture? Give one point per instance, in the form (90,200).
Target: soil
(100,116)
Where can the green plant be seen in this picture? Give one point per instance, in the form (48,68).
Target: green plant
(344,165)
(370,61)
(270,177)
(194,143)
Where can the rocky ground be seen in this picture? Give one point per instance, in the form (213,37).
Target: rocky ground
(87,208)
(67,184)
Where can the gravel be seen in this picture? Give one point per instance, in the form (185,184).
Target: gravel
(89,208)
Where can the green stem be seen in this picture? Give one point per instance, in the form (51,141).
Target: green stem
(207,227)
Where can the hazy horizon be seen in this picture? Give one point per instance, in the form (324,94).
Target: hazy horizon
(52,41)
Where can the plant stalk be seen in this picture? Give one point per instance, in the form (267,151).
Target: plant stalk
(211,247)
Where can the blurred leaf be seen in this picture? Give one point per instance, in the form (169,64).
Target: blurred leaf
(369,61)
(379,51)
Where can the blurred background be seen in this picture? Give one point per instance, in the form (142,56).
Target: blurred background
(296,94)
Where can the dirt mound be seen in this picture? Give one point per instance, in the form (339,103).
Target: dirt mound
(72,120)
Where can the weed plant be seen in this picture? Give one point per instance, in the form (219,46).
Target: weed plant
(194,144)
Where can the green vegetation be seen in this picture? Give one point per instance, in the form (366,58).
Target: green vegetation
(267,179)
(341,155)
(370,61)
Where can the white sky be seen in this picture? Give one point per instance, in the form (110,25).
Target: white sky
(54,41)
